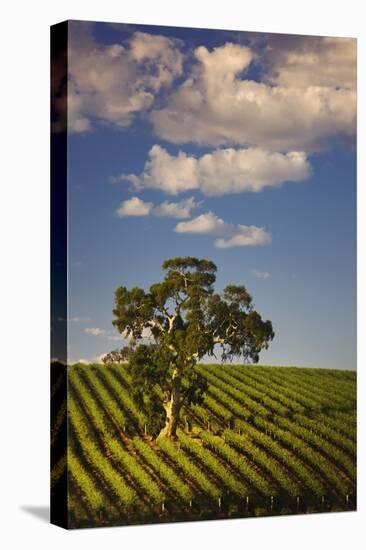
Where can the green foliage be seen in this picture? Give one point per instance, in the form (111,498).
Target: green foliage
(264,460)
(189,468)
(149,369)
(118,476)
(116,356)
(186,320)
(98,462)
(164,471)
(85,482)
(210,461)
(240,463)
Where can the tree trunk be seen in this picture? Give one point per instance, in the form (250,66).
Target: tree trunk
(172,409)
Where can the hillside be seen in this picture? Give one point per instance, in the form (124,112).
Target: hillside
(267,440)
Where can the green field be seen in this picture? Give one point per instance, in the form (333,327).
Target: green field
(266,441)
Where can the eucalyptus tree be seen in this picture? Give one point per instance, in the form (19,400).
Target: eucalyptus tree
(185,320)
(116,356)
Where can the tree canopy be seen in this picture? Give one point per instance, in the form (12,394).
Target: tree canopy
(185,320)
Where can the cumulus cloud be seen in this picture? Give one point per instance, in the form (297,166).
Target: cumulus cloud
(137,207)
(162,60)
(220,172)
(99,358)
(307,93)
(230,235)
(94,331)
(111,83)
(218,105)
(260,274)
(134,207)
(181,209)
(303,61)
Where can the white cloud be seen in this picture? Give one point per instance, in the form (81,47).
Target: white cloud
(230,235)
(137,207)
(246,236)
(111,83)
(134,207)
(207,223)
(181,209)
(260,274)
(94,331)
(168,173)
(82,361)
(220,172)
(307,95)
(217,105)
(305,61)
(159,55)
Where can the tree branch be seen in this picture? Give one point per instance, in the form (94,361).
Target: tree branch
(218,341)
(158,324)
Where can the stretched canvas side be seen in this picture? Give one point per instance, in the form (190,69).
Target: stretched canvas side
(59,478)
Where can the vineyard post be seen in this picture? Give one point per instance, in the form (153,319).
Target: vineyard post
(219,502)
(271,502)
(347,499)
(163,506)
(247,502)
(298,502)
(145,429)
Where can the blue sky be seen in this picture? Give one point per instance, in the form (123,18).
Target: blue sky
(237,147)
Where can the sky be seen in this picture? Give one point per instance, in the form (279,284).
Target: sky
(233,146)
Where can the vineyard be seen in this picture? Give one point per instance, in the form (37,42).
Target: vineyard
(266,440)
